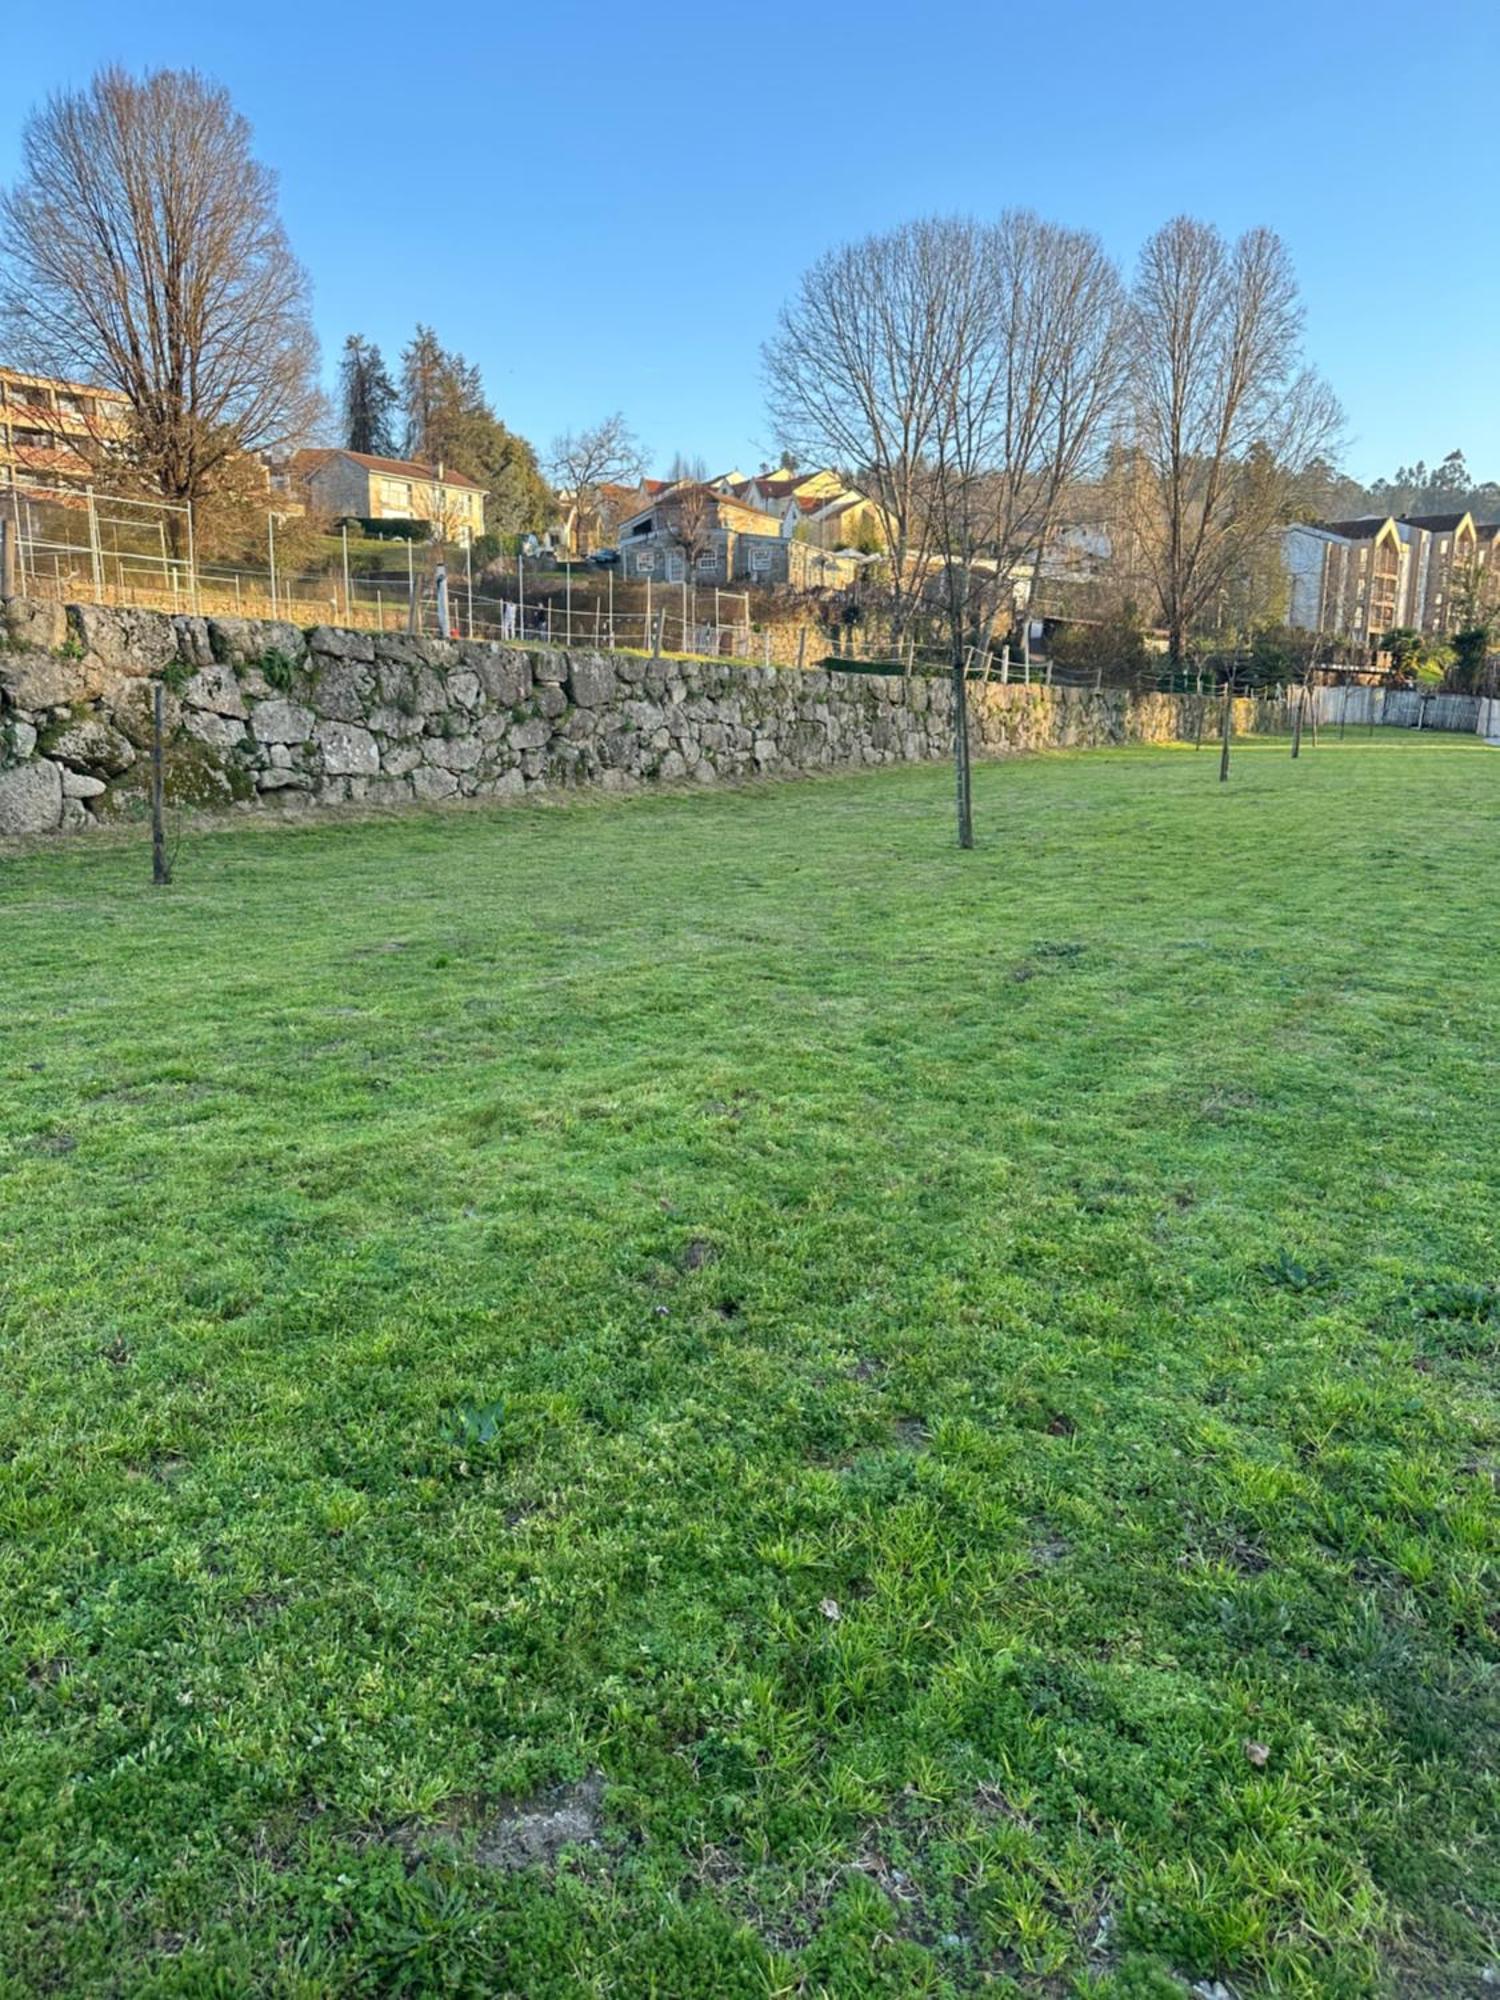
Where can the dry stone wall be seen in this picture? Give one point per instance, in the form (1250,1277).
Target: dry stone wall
(260,713)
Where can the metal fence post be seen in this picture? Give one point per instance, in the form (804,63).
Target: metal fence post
(192,561)
(96,559)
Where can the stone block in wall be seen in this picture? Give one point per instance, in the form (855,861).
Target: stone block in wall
(34,621)
(547,665)
(398,649)
(281,721)
(505,677)
(464,688)
(395,723)
(414,689)
(243,642)
(41,680)
(341,688)
(453,753)
(591,680)
(130,704)
(123,640)
(219,732)
(79,785)
(215,687)
(332,642)
(278,780)
(31,797)
(532,733)
(348,750)
(550,700)
(194,647)
(428,782)
(399,758)
(91,745)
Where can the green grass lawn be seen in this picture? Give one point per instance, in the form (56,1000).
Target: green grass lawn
(889,1421)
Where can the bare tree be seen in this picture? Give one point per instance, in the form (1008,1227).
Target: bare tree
(850,383)
(963,374)
(142,251)
(1226,418)
(688,512)
(584,463)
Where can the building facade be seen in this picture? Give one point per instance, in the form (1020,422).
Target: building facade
(354,485)
(56,433)
(1356,580)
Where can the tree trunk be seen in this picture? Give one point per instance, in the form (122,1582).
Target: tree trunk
(1228,732)
(1297,725)
(961,755)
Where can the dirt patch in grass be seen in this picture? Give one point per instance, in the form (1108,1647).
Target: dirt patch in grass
(530,1833)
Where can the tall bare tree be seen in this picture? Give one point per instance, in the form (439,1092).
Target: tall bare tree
(140,249)
(850,383)
(583,463)
(1226,416)
(963,374)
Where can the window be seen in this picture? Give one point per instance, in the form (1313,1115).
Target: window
(760,562)
(708,562)
(645,562)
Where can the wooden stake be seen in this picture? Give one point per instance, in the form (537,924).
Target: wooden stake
(1228,732)
(161,870)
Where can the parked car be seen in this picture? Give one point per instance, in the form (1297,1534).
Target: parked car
(605,558)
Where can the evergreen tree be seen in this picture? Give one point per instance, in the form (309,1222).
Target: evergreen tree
(449,422)
(423,368)
(367,399)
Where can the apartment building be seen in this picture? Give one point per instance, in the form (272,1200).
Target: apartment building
(1358,579)
(53,432)
(1444,567)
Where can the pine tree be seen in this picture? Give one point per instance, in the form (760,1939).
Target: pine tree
(367,399)
(424,366)
(449,422)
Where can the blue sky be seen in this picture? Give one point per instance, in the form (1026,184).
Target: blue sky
(604,210)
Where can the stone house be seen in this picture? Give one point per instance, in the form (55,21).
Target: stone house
(690,523)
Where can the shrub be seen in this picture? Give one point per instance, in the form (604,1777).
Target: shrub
(278,669)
